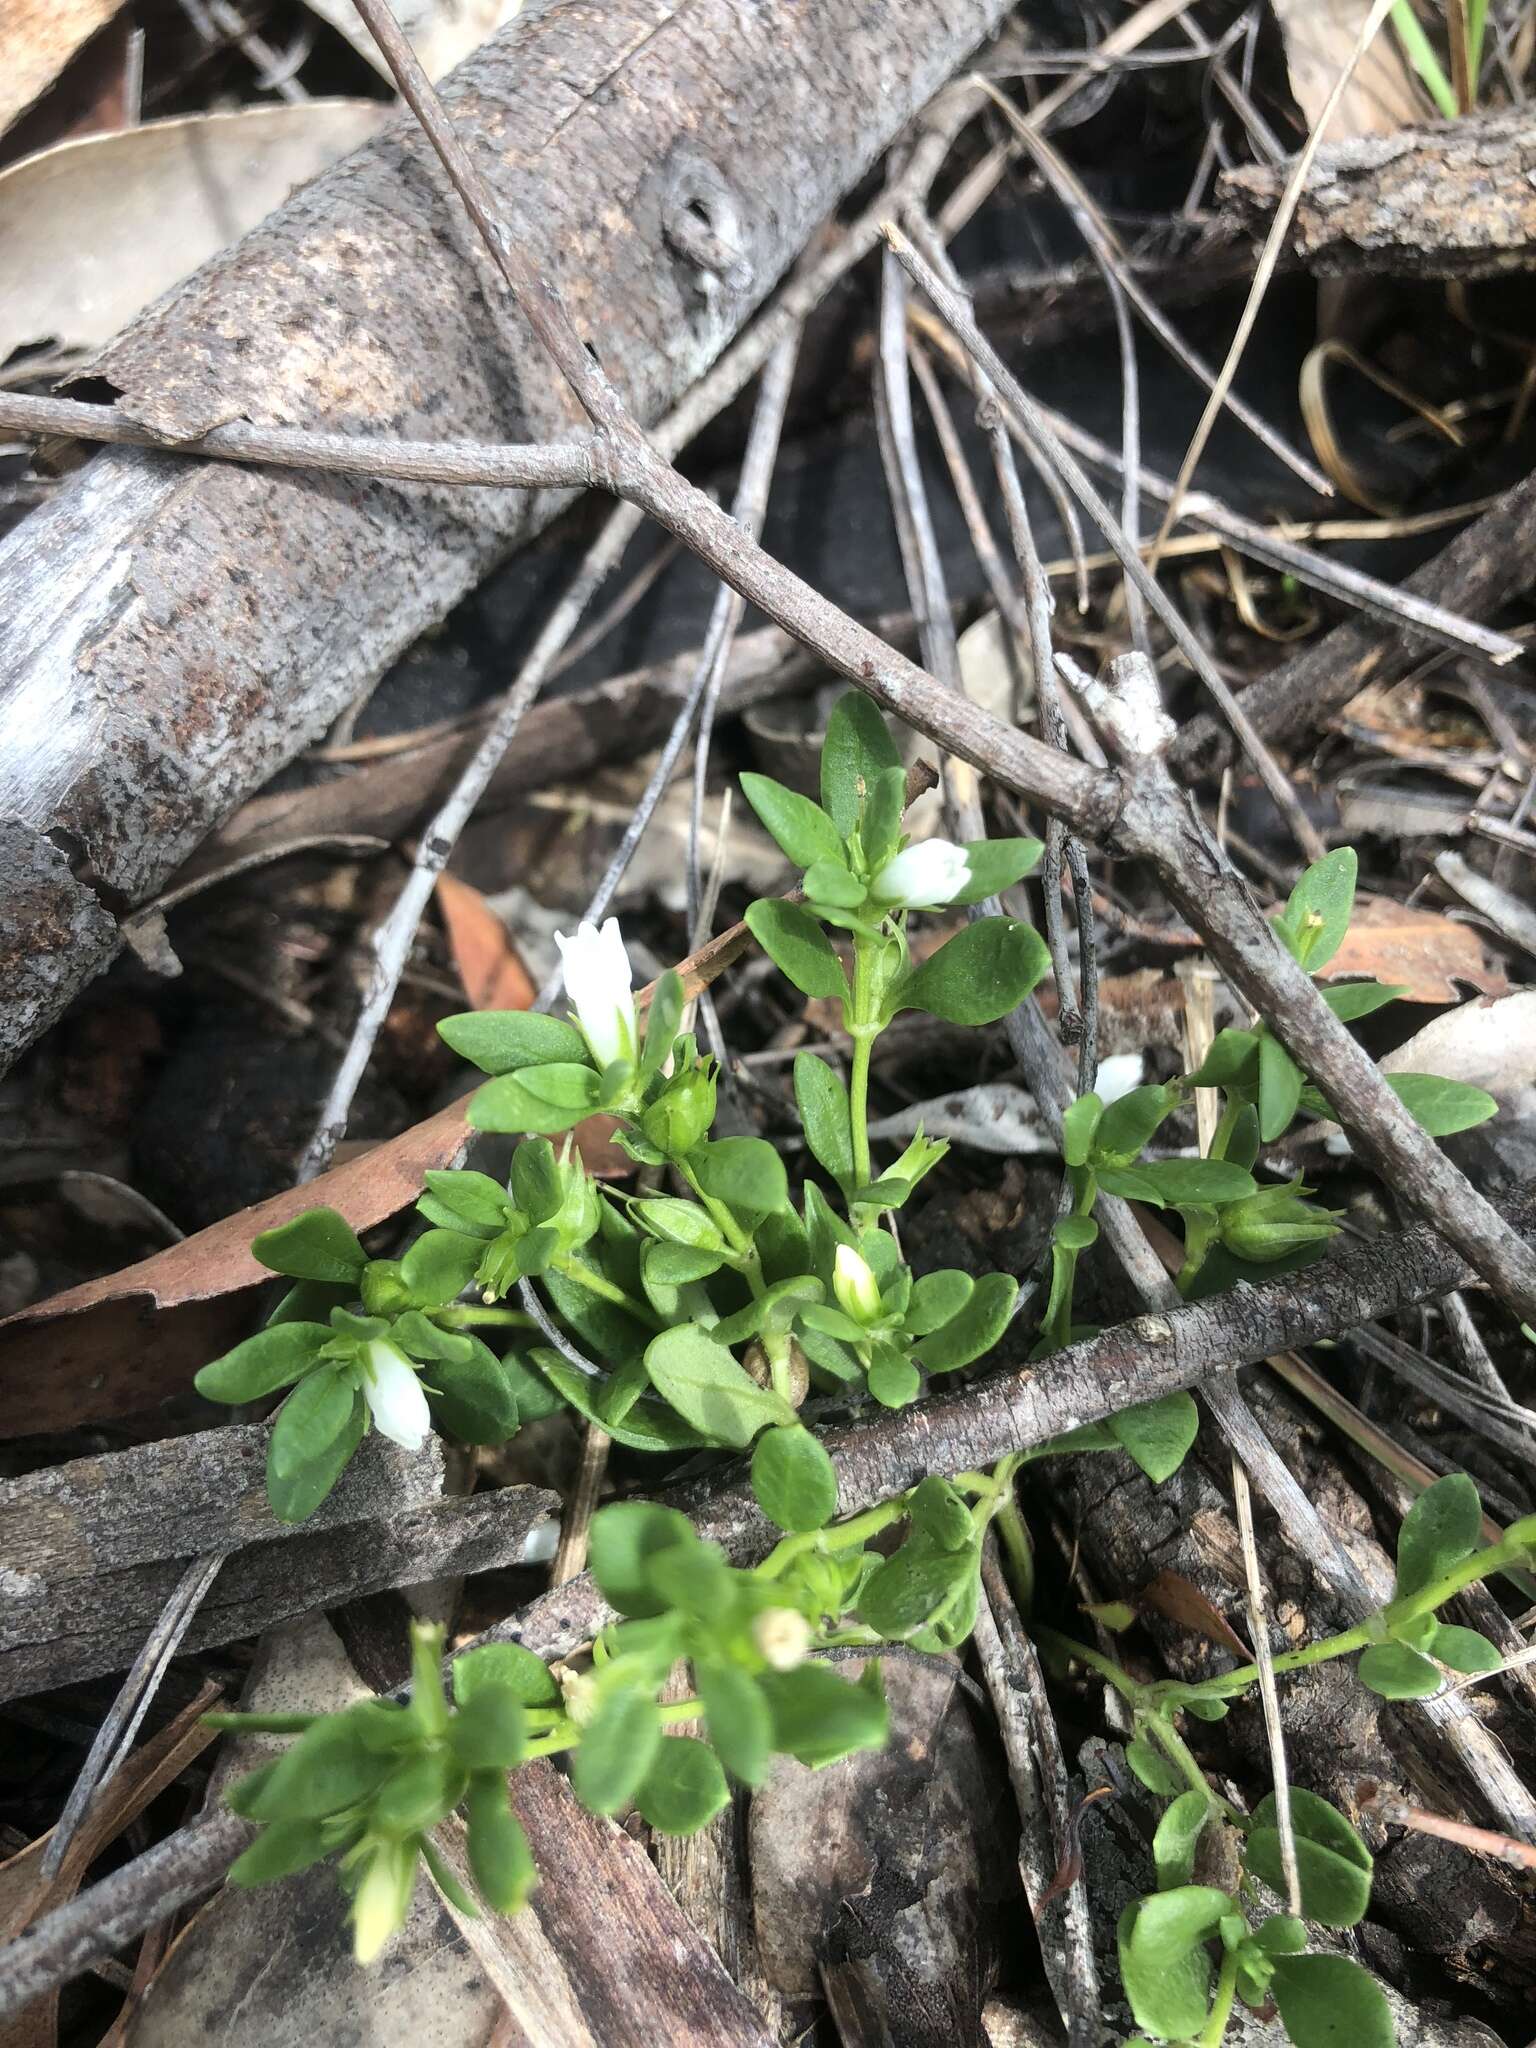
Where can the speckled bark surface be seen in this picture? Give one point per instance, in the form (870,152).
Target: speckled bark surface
(1452,200)
(171,634)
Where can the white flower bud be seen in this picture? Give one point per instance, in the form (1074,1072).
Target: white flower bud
(855,1286)
(579,1689)
(922,877)
(783,1635)
(382,1899)
(394,1396)
(599,981)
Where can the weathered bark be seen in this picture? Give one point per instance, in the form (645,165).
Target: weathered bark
(1488,563)
(171,634)
(1451,200)
(94,1549)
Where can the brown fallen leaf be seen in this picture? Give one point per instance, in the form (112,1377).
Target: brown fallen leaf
(493,975)
(1319,36)
(1425,952)
(1181,1601)
(128,1339)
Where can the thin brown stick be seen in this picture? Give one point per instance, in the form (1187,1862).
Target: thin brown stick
(1041,432)
(558,465)
(1264,270)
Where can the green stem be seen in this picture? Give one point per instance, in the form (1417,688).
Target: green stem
(605,1289)
(1211,2034)
(1420,53)
(1018,1553)
(745,1258)
(1516,1547)
(1106,1667)
(568,1735)
(849,1535)
(1183,1758)
(467,1318)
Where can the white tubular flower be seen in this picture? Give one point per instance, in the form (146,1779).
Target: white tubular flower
(783,1635)
(922,877)
(855,1286)
(394,1395)
(382,1899)
(599,981)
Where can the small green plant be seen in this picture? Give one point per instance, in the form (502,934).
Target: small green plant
(700,1315)
(1189,1950)
(1234,1229)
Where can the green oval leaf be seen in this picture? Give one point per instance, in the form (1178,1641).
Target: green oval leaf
(977,976)
(1280,1085)
(802,828)
(310,1420)
(1178,1834)
(995,865)
(794,1480)
(822,1101)
(1442,1529)
(273,1358)
(499,1856)
(974,1329)
(1157,1434)
(1442,1107)
(501,1041)
(318,1245)
(294,1495)
(1197,1182)
(740,1723)
(937,1298)
(1330,2002)
(618,1747)
(856,752)
(1395,1672)
(472,1397)
(546,1098)
(819,1716)
(504,1667)
(1332,1862)
(797,946)
(684,1788)
(703,1382)
(1314,921)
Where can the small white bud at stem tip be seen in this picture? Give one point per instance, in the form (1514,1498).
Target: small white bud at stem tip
(600,981)
(858,1293)
(394,1395)
(922,877)
(783,1636)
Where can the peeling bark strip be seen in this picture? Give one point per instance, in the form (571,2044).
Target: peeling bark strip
(93,1549)
(171,635)
(1452,200)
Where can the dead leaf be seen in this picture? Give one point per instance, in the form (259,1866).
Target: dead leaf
(37,39)
(442,32)
(1319,36)
(1427,953)
(1181,1601)
(493,975)
(174,192)
(1492,1045)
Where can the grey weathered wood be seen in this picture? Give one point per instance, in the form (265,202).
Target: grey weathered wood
(170,634)
(91,1551)
(1453,199)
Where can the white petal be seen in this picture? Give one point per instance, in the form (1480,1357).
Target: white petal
(922,877)
(599,980)
(394,1396)
(855,1286)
